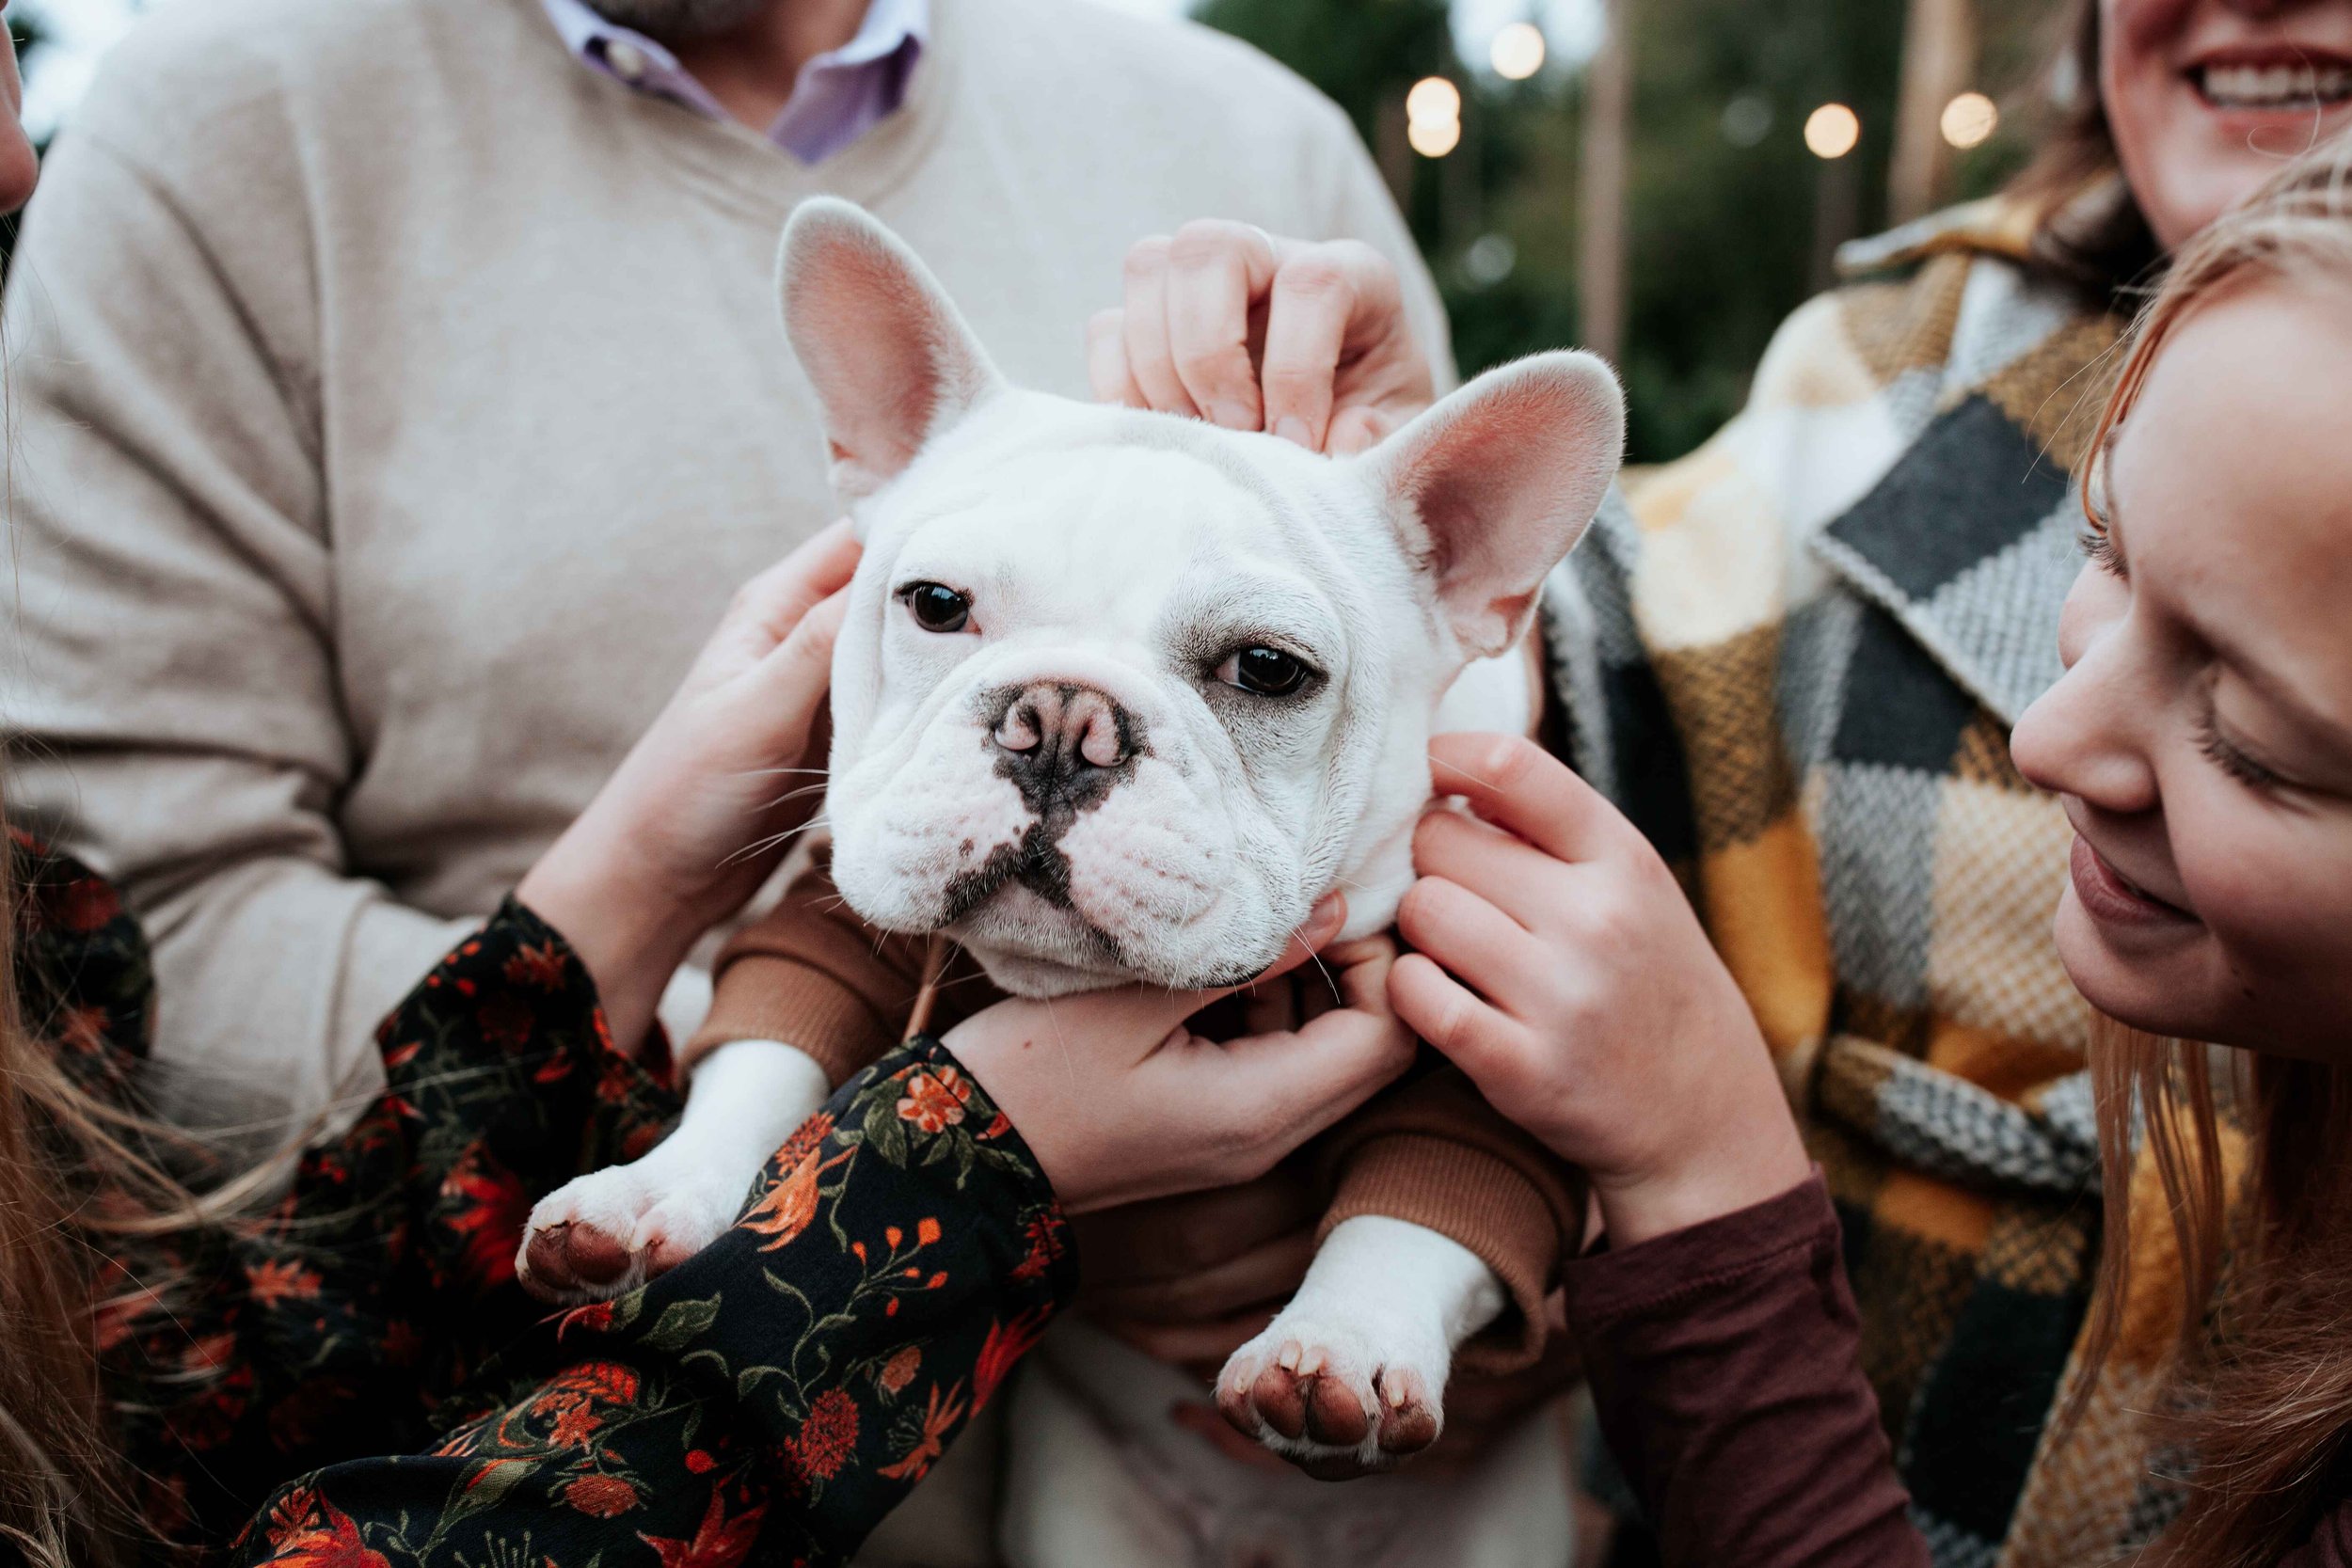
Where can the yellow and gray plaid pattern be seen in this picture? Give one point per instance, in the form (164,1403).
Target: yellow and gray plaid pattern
(1794,658)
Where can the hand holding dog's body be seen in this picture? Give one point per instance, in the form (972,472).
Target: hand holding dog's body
(1561,966)
(1122,1103)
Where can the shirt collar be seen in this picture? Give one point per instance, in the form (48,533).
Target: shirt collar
(838,96)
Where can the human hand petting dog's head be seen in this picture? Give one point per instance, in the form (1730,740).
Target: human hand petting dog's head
(1303,339)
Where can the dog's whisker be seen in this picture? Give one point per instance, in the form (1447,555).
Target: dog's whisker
(801,793)
(762,846)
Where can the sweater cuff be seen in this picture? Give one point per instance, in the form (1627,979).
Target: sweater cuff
(1468,1195)
(1699,1260)
(760,997)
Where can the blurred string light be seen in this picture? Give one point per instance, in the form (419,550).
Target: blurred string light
(1832,130)
(1572,30)
(1970,120)
(1518,52)
(1433,117)
(1489,260)
(1748,119)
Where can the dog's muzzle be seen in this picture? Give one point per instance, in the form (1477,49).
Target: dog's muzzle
(1063,746)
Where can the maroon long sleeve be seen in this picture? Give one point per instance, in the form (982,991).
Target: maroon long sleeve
(1724,1359)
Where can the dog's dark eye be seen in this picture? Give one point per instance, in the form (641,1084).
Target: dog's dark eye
(1268,672)
(937,608)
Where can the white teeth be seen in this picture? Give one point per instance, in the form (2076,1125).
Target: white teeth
(2277,87)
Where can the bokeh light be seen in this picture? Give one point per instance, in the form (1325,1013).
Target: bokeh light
(1970,120)
(1832,130)
(1434,138)
(1433,98)
(1433,117)
(1518,51)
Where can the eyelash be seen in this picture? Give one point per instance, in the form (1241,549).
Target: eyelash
(2101,552)
(2218,751)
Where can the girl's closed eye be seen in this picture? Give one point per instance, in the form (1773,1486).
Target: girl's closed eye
(2227,755)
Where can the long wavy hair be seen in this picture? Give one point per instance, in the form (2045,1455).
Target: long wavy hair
(2262,1380)
(81,1180)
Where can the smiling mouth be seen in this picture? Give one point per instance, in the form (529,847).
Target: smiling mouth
(2300,82)
(2111,896)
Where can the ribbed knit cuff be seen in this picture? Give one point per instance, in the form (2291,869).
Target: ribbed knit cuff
(763,998)
(1468,1196)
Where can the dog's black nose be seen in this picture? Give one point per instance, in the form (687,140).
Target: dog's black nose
(1058,742)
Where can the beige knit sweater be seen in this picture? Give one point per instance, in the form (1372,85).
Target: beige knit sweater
(396,404)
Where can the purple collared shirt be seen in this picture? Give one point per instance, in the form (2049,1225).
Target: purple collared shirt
(840,95)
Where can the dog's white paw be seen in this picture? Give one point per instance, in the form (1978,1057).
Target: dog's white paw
(606,1233)
(1339,1396)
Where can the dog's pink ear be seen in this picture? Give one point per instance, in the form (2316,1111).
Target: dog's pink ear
(893,363)
(1494,485)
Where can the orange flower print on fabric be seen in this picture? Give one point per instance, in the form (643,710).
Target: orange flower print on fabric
(899,1370)
(1006,1344)
(827,1438)
(505,1022)
(491,1207)
(600,1496)
(593,1383)
(1043,1234)
(722,1541)
(939,1416)
(273,1280)
(324,1536)
(790,1206)
(935,1100)
(87,905)
(538,965)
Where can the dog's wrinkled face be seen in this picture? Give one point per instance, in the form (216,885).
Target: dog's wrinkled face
(1119,695)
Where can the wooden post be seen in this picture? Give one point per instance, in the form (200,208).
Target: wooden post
(1939,59)
(1602,237)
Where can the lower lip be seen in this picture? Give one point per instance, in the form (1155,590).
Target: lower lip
(2112,901)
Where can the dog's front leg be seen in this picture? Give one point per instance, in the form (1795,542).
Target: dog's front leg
(1350,1377)
(610,1230)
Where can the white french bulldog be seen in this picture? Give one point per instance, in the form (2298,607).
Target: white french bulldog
(1121,696)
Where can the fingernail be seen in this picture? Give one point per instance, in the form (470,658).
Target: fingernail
(1235,416)
(1293,429)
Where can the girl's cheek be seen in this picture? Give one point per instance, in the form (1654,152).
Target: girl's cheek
(2274,886)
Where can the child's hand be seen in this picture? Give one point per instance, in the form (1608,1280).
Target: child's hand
(1560,966)
(702,808)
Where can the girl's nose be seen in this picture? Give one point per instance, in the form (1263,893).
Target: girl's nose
(2086,738)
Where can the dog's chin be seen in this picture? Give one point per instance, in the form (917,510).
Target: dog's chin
(1033,948)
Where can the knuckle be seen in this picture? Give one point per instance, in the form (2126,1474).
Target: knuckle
(1508,761)
(1204,240)
(1147,258)
(1318,274)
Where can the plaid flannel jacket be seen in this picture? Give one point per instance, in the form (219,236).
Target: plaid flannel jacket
(1794,659)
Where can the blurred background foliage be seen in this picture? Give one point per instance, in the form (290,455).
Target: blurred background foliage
(1727,220)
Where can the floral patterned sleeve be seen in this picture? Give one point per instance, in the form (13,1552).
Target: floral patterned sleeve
(780,1391)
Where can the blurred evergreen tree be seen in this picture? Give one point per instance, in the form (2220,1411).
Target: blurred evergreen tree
(1722,197)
